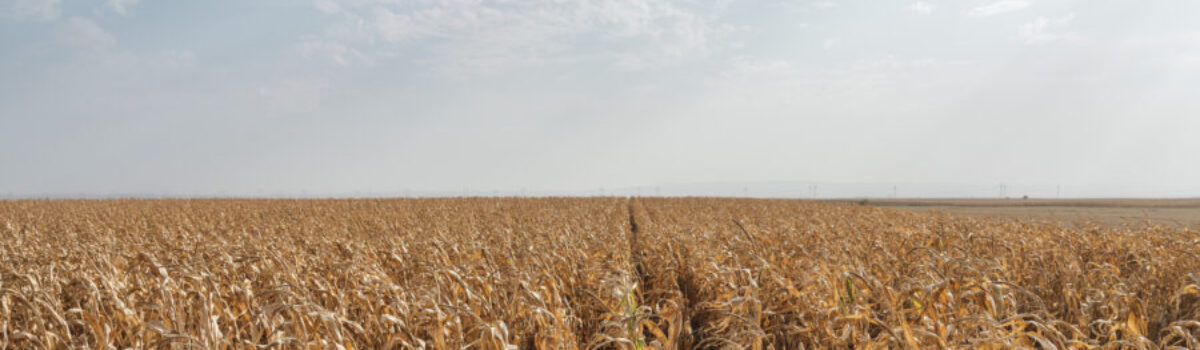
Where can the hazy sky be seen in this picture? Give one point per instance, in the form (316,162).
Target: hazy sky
(349,96)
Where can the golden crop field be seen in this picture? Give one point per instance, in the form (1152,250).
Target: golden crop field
(610,273)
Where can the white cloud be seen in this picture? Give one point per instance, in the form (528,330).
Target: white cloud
(337,53)
(85,34)
(489,35)
(999,7)
(395,28)
(922,7)
(30,10)
(121,7)
(99,47)
(327,6)
(1045,30)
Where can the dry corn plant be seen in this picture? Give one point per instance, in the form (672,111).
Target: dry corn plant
(598,273)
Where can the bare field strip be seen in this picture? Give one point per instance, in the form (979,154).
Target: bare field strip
(1184,203)
(1076,212)
(581,273)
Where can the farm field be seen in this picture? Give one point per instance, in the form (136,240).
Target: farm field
(581,273)
(1078,212)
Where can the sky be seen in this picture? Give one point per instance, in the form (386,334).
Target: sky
(387,97)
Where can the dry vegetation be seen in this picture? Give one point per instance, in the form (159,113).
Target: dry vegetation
(580,273)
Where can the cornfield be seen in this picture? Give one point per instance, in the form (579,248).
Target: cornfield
(580,273)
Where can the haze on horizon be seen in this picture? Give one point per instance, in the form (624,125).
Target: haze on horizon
(289,98)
